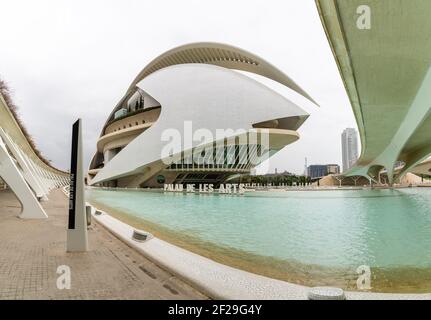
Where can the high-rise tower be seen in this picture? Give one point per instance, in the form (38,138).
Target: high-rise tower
(349,145)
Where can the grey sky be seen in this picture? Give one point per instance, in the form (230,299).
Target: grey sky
(70,59)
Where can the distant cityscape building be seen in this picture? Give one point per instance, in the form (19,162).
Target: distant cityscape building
(349,146)
(333,168)
(305,168)
(279,174)
(320,170)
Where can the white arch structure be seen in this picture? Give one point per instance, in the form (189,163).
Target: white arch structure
(22,170)
(197,83)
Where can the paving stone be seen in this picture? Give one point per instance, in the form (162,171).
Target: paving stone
(32,250)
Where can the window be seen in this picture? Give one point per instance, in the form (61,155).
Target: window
(160,179)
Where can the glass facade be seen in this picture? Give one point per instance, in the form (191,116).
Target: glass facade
(228,157)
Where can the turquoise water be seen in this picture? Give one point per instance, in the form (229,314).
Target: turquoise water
(342,228)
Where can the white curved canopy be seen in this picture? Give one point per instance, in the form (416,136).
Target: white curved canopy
(222,55)
(219,54)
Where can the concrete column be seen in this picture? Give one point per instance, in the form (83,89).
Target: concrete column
(31,208)
(30,165)
(28,175)
(37,173)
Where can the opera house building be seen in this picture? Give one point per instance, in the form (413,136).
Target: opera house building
(194,115)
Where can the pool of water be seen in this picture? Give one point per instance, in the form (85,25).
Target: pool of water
(308,235)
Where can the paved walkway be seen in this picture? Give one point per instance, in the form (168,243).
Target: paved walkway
(31,251)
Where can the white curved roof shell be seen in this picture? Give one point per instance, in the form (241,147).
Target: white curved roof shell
(219,54)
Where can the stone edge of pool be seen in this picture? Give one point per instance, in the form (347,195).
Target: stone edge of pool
(219,281)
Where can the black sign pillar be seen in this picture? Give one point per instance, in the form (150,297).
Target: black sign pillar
(77,239)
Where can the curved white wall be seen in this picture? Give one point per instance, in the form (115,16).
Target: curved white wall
(211,97)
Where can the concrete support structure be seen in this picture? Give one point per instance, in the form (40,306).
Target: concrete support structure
(386,69)
(340,179)
(355,179)
(26,171)
(31,209)
(21,168)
